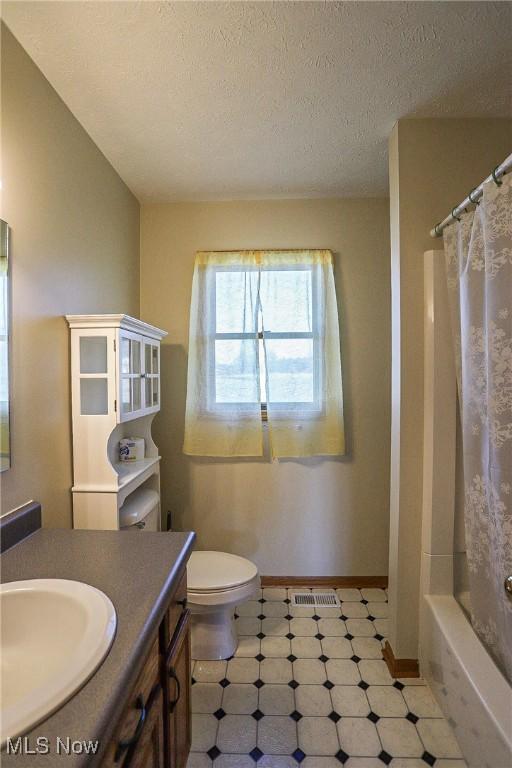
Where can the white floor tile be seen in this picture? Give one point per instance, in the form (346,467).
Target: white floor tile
(361,627)
(206,697)
(248,646)
(450,764)
(399,737)
(198,760)
(242,670)
(277,761)
(306,647)
(237,733)
(276,671)
(342,672)
(275,610)
(301,611)
(248,625)
(337,648)
(234,761)
(349,701)
(374,595)
(322,762)
(276,700)
(379,610)
(438,738)
(313,700)
(275,593)
(386,701)
(367,647)
(355,610)
(317,736)
(277,735)
(275,646)
(209,671)
(421,701)
(382,626)
(275,627)
(332,627)
(358,737)
(375,672)
(303,627)
(204,732)
(309,671)
(240,699)
(365,762)
(350,595)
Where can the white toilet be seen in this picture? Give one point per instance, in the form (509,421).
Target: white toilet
(217,582)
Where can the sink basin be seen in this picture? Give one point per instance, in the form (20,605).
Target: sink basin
(54,635)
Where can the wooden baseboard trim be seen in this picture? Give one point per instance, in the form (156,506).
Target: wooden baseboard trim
(400,667)
(325,581)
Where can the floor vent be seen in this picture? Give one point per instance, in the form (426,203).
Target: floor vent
(315,600)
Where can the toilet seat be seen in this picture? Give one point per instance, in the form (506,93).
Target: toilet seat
(216,572)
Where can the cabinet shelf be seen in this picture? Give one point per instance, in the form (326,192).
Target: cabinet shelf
(136,472)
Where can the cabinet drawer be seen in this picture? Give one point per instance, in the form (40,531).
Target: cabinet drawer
(177,608)
(133,721)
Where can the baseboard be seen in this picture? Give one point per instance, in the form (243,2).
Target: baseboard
(325,581)
(399,667)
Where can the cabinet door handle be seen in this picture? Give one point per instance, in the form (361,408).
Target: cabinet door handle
(127,743)
(183,603)
(173,676)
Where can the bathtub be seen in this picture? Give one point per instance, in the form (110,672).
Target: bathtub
(473,694)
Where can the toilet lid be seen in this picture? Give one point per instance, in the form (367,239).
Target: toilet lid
(214,571)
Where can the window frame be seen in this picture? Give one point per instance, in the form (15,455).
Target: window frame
(279,409)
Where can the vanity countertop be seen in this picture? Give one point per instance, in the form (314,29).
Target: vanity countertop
(138,572)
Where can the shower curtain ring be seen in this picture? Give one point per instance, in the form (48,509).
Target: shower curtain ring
(454,215)
(437,232)
(475,202)
(493,174)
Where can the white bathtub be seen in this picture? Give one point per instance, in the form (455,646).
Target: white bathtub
(469,688)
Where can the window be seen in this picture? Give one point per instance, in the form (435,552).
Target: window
(278,307)
(264,339)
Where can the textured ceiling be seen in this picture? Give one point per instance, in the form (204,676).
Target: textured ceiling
(223,100)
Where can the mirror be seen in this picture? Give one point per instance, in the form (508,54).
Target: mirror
(5,438)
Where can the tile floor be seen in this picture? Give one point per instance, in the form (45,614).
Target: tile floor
(308,687)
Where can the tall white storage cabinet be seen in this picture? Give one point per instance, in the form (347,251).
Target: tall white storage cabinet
(115,389)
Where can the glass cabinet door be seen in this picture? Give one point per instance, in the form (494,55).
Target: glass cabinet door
(93,373)
(130,374)
(151,375)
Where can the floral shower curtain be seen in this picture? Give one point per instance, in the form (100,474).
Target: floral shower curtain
(478,252)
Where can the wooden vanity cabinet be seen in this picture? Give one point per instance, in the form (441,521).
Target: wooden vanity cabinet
(155,728)
(178,718)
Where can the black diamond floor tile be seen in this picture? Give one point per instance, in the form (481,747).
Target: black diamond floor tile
(373,717)
(260,635)
(219,714)
(260,657)
(319,636)
(349,636)
(323,658)
(342,756)
(363,685)
(290,636)
(257,714)
(412,718)
(299,755)
(256,754)
(356,659)
(296,716)
(291,658)
(224,682)
(398,685)
(385,757)
(328,685)
(334,717)
(293,684)
(213,753)
(428,758)
(259,683)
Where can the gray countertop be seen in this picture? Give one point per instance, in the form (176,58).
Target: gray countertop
(138,571)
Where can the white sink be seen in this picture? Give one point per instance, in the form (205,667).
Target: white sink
(54,635)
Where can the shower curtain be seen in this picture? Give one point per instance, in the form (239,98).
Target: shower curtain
(478,253)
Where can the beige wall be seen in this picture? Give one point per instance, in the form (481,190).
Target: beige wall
(433,165)
(310,517)
(75,248)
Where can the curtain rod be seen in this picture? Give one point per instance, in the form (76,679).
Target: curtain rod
(473,197)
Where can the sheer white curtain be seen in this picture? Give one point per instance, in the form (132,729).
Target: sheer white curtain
(264,339)
(478,252)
